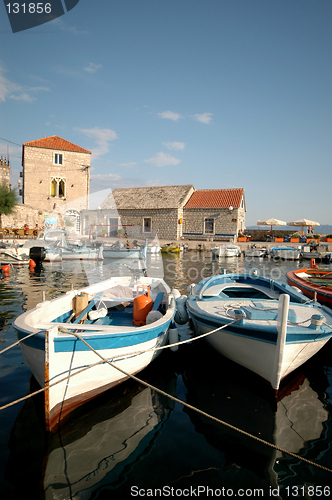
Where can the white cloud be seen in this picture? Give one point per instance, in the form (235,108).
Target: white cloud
(176,146)
(162,160)
(129,164)
(170,115)
(203,117)
(106,177)
(92,68)
(66,27)
(11,90)
(102,137)
(22,97)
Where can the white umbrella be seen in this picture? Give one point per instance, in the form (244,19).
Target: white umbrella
(271,222)
(303,223)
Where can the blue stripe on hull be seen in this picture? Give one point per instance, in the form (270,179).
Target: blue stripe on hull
(108,341)
(257,332)
(98,341)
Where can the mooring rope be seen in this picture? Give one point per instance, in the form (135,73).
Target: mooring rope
(127,355)
(187,405)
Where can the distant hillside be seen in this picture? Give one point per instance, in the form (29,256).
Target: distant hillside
(323,229)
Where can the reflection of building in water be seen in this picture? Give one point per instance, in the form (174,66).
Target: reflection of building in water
(46,278)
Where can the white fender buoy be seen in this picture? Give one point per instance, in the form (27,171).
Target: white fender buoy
(181,316)
(173,337)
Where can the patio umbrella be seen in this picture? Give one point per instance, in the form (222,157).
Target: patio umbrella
(271,222)
(303,223)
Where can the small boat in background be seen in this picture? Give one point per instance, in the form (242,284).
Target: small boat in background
(263,325)
(316,251)
(227,250)
(11,256)
(256,251)
(121,250)
(314,283)
(171,248)
(59,247)
(284,253)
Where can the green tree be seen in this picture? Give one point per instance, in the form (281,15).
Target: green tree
(8,201)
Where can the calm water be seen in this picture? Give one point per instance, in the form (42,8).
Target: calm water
(133,442)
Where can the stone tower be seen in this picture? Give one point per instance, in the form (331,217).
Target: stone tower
(4,171)
(55,173)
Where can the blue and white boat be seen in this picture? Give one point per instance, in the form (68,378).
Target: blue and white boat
(284,253)
(86,341)
(60,247)
(119,250)
(264,325)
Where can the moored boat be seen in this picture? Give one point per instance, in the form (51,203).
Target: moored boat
(11,256)
(119,250)
(284,253)
(86,341)
(316,251)
(261,324)
(256,251)
(171,248)
(60,247)
(227,250)
(314,283)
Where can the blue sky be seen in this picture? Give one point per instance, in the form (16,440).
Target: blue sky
(214,93)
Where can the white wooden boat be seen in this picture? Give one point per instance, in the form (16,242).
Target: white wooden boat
(11,255)
(256,251)
(284,253)
(263,331)
(227,250)
(119,250)
(59,247)
(315,251)
(71,340)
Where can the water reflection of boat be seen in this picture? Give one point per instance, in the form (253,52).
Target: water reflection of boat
(111,439)
(99,446)
(296,424)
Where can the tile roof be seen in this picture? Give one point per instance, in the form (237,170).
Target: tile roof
(55,142)
(152,197)
(216,198)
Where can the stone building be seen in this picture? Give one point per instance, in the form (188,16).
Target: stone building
(55,173)
(4,171)
(217,214)
(170,212)
(155,210)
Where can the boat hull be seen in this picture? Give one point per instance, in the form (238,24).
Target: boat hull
(64,397)
(236,346)
(322,294)
(263,325)
(285,253)
(121,254)
(226,251)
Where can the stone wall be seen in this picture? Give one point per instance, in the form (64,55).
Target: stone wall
(165,222)
(39,170)
(24,215)
(227,224)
